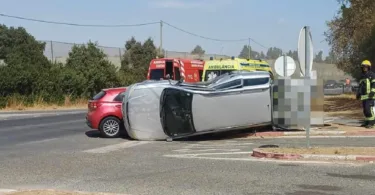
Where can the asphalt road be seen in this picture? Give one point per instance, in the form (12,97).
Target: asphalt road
(60,152)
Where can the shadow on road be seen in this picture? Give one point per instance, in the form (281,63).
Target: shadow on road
(226,135)
(96,134)
(92,134)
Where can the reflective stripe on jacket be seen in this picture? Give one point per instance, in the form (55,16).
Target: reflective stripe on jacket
(367,85)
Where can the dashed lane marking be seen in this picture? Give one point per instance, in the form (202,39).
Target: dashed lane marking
(116,147)
(41,125)
(37,142)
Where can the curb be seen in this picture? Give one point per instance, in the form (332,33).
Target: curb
(6,191)
(302,133)
(11,191)
(257,152)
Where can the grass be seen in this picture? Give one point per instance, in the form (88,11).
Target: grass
(18,104)
(343,105)
(324,150)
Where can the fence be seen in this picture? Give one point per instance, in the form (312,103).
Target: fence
(59,52)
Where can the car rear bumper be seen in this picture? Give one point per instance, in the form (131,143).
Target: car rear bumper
(88,122)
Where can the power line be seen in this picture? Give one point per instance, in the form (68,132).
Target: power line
(74,24)
(131,25)
(213,39)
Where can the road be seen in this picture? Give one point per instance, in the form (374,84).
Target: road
(60,152)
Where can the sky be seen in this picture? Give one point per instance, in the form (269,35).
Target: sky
(272,23)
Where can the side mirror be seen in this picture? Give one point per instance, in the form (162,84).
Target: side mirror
(167,76)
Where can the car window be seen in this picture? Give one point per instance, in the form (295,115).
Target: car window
(119,97)
(230,84)
(156,74)
(99,95)
(255,81)
(212,74)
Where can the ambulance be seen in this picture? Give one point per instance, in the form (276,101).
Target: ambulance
(176,68)
(214,68)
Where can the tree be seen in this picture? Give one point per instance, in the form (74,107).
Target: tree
(274,52)
(290,53)
(198,50)
(331,58)
(262,56)
(26,68)
(295,55)
(351,34)
(89,63)
(136,60)
(245,53)
(319,57)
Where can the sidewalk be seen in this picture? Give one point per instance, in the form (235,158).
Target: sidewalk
(51,192)
(322,154)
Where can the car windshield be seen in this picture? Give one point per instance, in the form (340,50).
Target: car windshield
(212,81)
(212,74)
(156,74)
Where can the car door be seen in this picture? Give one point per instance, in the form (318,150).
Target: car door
(257,92)
(117,101)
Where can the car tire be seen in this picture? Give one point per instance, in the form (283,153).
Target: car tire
(110,127)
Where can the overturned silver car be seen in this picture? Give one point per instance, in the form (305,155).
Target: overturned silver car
(158,110)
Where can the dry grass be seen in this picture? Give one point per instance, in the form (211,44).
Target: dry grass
(40,104)
(55,192)
(344,127)
(326,150)
(343,105)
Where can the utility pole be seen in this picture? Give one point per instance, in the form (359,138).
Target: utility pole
(161,37)
(248,46)
(51,51)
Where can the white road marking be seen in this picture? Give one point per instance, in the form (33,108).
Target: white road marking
(42,125)
(36,142)
(115,147)
(206,150)
(218,145)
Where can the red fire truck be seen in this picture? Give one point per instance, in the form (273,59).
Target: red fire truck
(176,68)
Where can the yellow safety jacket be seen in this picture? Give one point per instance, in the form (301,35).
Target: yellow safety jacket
(367,85)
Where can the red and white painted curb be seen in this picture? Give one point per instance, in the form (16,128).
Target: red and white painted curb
(257,152)
(6,191)
(10,191)
(303,133)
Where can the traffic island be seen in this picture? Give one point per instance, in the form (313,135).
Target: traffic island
(51,192)
(328,130)
(366,154)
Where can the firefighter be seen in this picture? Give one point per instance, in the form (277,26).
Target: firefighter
(366,92)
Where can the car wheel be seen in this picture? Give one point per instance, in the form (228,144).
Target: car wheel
(110,127)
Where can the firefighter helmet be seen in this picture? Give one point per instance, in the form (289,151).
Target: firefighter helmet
(366,63)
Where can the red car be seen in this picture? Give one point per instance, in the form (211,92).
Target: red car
(104,112)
